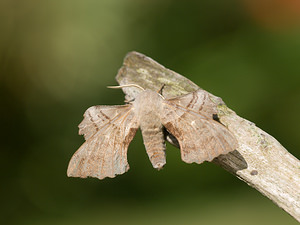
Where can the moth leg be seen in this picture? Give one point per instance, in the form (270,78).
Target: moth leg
(170,138)
(161,89)
(216,117)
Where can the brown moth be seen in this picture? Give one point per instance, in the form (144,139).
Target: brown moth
(108,131)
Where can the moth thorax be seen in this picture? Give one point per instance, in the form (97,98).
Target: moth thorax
(146,103)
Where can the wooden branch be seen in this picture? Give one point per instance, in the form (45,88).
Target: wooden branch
(260,161)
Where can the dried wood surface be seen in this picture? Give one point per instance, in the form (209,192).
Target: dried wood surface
(260,160)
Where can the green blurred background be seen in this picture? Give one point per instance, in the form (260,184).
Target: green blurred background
(57,57)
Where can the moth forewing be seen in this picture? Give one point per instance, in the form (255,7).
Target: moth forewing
(190,120)
(199,101)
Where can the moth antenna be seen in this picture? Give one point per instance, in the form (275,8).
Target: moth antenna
(128,101)
(127,85)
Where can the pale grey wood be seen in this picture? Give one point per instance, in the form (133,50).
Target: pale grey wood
(260,160)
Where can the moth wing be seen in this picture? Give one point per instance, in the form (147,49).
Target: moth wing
(190,120)
(198,101)
(108,131)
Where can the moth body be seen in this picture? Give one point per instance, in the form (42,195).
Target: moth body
(147,106)
(108,131)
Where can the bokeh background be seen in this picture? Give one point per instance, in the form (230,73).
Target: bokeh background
(56,59)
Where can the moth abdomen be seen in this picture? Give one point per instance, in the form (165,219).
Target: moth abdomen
(158,159)
(155,146)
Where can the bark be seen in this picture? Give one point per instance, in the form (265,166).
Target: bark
(260,160)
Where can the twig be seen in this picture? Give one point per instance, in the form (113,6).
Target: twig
(260,161)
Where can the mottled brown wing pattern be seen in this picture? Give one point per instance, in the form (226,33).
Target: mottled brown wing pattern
(200,137)
(108,131)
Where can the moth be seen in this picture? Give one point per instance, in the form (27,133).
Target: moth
(108,131)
